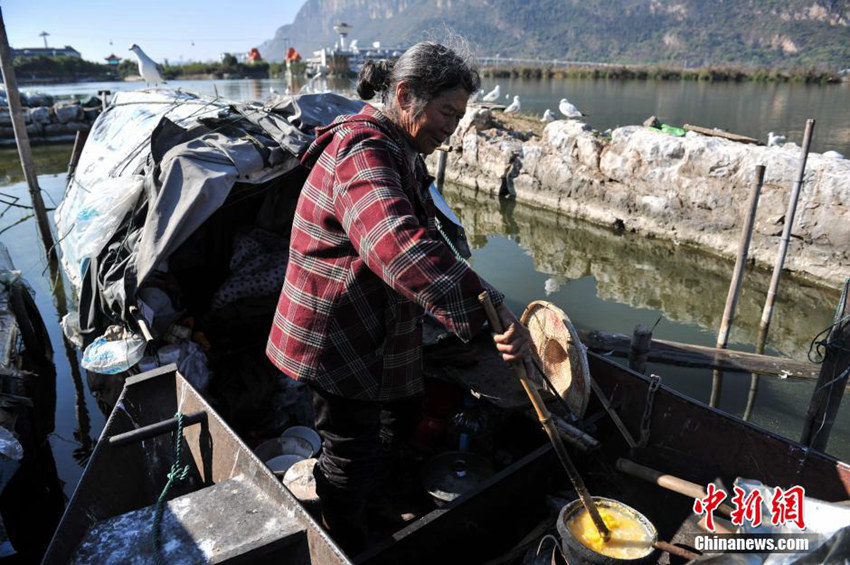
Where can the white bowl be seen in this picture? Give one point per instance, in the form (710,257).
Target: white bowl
(310,435)
(280,464)
(280,453)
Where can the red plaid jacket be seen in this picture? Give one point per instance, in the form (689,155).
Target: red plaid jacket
(364,263)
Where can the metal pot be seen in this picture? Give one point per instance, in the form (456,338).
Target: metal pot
(579,554)
(451,474)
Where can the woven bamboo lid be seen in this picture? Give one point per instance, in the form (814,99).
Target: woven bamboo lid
(561,352)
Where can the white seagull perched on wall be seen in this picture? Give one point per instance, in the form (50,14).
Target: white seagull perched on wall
(568,109)
(475,96)
(548,116)
(493,95)
(514,106)
(148,68)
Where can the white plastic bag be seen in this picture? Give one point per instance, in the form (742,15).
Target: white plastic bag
(115,351)
(91,216)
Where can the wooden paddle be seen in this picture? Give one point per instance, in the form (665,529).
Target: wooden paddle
(546,421)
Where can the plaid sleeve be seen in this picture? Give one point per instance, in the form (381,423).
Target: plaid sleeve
(379,218)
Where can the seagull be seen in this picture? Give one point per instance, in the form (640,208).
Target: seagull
(775,139)
(148,68)
(493,95)
(514,107)
(273,92)
(476,95)
(568,109)
(507,96)
(548,116)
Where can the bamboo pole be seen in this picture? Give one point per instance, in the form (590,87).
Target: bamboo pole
(688,355)
(79,143)
(826,397)
(767,313)
(737,279)
(23,142)
(545,419)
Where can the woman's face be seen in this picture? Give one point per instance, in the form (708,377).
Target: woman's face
(437,121)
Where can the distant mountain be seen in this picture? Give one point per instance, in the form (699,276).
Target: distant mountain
(756,33)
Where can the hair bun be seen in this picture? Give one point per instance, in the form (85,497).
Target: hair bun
(374,77)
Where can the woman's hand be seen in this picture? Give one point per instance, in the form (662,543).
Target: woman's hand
(515,341)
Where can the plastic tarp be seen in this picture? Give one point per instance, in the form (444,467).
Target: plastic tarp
(189,175)
(111,165)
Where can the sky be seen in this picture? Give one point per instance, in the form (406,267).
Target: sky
(163,29)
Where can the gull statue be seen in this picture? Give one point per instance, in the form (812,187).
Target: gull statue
(548,116)
(493,95)
(514,106)
(148,68)
(568,109)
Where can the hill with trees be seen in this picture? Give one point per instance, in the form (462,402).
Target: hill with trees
(688,33)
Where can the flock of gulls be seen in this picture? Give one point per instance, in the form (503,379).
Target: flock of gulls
(566,107)
(151,73)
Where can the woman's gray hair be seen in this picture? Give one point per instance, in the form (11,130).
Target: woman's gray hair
(427,68)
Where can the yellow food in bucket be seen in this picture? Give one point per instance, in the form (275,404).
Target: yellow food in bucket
(630,538)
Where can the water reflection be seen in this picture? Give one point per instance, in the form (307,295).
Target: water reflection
(82,433)
(685,285)
(49,159)
(32,501)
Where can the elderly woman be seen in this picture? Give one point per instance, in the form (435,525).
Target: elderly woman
(365,263)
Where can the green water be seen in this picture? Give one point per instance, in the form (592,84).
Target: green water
(752,109)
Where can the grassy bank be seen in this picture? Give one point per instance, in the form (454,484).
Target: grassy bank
(707,74)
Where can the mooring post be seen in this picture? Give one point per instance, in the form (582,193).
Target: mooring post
(442,158)
(832,380)
(23,141)
(641,341)
(737,279)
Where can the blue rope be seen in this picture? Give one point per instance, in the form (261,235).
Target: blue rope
(176,474)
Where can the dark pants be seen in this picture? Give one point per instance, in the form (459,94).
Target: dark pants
(359,440)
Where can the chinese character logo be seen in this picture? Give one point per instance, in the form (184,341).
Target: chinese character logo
(786,506)
(748,508)
(709,504)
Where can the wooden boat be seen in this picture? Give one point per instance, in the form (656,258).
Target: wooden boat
(496,521)
(231,508)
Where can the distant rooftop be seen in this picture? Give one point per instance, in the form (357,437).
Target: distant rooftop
(66,51)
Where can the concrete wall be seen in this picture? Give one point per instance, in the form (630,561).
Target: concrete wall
(691,189)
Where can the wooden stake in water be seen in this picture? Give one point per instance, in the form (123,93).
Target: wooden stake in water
(548,426)
(23,141)
(737,279)
(767,313)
